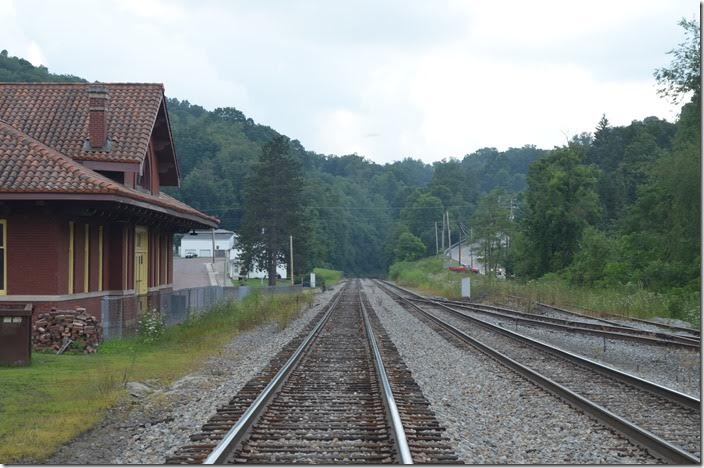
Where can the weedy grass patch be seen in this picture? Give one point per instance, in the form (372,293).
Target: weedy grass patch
(331,277)
(429,276)
(56,398)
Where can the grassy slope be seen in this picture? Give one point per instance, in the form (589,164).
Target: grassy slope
(331,277)
(428,275)
(58,397)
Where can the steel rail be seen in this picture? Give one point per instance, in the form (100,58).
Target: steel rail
(235,435)
(652,442)
(624,333)
(577,314)
(630,379)
(691,331)
(607,326)
(664,325)
(400,440)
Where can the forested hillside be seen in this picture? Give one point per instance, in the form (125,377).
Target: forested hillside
(618,205)
(357,209)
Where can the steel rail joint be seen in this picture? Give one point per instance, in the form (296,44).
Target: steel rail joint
(223,449)
(397,425)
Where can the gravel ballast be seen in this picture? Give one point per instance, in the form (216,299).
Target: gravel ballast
(158,420)
(673,367)
(493,415)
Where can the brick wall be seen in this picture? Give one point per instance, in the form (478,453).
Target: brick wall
(91,304)
(33,242)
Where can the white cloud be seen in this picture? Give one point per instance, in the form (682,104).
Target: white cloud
(400,78)
(35,54)
(153,9)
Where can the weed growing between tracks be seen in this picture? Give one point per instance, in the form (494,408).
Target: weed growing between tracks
(56,398)
(429,276)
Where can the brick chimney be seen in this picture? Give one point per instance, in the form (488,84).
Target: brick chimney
(97,120)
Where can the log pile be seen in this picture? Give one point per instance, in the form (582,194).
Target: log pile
(52,329)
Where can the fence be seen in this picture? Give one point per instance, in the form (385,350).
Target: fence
(119,315)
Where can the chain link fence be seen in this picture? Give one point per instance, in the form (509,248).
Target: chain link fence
(120,315)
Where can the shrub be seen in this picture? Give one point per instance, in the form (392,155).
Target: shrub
(151,327)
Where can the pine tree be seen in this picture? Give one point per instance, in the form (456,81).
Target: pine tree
(273,209)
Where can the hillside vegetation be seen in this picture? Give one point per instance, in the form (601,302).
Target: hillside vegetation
(616,207)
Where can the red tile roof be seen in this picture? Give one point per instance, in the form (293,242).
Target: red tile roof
(57,115)
(27,166)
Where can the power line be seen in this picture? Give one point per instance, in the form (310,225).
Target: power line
(343,207)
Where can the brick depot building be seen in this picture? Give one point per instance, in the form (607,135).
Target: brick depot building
(81,211)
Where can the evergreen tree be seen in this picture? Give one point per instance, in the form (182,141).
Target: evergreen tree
(273,210)
(560,201)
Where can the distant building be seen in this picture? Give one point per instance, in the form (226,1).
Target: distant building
(199,243)
(82,215)
(234,266)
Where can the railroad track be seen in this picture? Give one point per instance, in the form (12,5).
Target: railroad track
(592,327)
(656,326)
(665,422)
(338,393)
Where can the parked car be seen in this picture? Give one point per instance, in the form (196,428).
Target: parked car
(191,255)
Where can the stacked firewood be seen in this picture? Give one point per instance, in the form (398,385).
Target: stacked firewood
(67,329)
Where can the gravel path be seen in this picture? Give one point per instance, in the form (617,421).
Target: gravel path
(676,368)
(493,415)
(145,430)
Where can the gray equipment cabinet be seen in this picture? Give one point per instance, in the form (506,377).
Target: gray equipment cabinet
(15,334)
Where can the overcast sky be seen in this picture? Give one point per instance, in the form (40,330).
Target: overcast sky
(385,79)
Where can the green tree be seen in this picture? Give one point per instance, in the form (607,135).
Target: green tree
(560,201)
(274,209)
(408,247)
(420,214)
(492,228)
(683,74)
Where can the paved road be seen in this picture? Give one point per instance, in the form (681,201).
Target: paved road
(466,260)
(193,272)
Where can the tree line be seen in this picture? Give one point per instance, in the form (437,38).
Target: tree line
(614,206)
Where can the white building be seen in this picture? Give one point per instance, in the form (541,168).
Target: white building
(200,243)
(235,265)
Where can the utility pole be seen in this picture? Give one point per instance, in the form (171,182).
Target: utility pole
(290,239)
(437,251)
(471,248)
(212,235)
(449,236)
(460,244)
(442,236)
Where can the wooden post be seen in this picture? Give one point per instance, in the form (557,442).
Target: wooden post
(449,237)
(290,238)
(460,246)
(212,235)
(437,251)
(442,235)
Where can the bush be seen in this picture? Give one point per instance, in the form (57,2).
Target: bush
(151,327)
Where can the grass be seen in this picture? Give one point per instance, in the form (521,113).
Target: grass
(255,283)
(429,276)
(57,397)
(331,277)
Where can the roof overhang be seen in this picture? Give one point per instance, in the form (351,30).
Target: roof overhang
(165,152)
(202,221)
